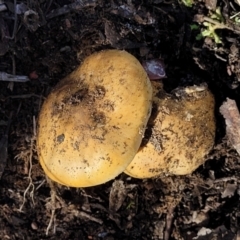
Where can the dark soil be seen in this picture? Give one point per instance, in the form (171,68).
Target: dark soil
(48,43)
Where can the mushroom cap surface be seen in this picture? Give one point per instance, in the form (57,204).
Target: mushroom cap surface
(181,131)
(91,125)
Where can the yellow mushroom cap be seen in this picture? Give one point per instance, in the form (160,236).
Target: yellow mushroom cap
(181,132)
(91,125)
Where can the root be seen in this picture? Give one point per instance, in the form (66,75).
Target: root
(52,207)
(30,188)
(28,157)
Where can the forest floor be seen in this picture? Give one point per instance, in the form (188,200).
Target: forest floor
(45,41)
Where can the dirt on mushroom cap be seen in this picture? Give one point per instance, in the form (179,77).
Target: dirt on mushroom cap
(181,131)
(92,123)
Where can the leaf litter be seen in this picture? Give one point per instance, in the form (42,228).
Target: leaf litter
(50,38)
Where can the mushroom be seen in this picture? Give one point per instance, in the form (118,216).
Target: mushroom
(91,125)
(181,131)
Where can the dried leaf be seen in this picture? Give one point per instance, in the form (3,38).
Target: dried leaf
(31,20)
(117,195)
(229,190)
(111,34)
(203,232)
(127,11)
(211,4)
(158,231)
(200,217)
(231,114)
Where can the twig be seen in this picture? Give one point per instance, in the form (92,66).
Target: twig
(42,182)
(29,95)
(13,78)
(49,5)
(4,146)
(15,22)
(83,192)
(70,7)
(235,15)
(11,84)
(216,24)
(87,216)
(226,179)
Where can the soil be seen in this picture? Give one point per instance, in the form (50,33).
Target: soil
(46,40)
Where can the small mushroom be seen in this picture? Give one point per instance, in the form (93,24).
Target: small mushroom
(181,131)
(91,125)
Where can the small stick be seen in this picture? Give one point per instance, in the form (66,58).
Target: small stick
(4,146)
(28,95)
(13,78)
(15,22)
(87,216)
(216,24)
